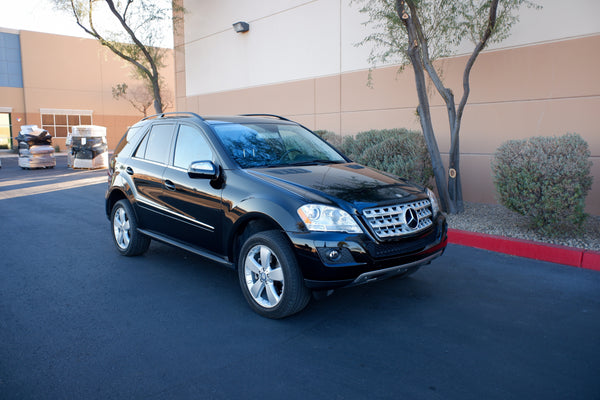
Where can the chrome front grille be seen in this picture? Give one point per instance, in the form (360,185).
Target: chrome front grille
(399,219)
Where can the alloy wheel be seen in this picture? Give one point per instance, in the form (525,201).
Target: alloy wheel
(264,276)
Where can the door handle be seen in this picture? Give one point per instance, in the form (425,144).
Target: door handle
(129,170)
(169,185)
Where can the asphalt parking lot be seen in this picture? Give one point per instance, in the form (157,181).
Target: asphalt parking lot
(79,321)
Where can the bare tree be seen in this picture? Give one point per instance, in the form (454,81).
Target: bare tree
(140,96)
(135,35)
(417,32)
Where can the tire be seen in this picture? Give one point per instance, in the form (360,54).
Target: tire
(127,239)
(269,276)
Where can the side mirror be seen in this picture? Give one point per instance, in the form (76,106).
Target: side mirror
(203,170)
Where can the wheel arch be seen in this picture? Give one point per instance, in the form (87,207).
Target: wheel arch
(114,196)
(247,227)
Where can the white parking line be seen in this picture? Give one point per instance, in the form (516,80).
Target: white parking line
(28,191)
(11,182)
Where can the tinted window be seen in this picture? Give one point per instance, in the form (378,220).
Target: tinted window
(191,146)
(158,143)
(141,150)
(127,139)
(272,144)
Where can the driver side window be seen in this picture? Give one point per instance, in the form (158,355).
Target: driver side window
(191,146)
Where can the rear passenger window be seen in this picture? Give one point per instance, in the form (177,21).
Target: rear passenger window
(156,145)
(141,150)
(127,140)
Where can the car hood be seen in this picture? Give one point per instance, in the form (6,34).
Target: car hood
(352,183)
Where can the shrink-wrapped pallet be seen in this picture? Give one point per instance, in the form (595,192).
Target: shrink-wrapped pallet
(35,148)
(87,147)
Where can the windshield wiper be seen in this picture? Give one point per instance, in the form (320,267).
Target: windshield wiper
(316,162)
(301,163)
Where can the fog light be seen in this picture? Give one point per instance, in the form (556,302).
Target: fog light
(333,255)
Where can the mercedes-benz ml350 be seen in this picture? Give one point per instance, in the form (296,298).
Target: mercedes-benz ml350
(269,198)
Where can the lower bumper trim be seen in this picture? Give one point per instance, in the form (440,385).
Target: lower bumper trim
(389,272)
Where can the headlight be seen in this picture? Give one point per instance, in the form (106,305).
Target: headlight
(435,207)
(322,218)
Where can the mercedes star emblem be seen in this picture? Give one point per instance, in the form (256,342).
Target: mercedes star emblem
(411,218)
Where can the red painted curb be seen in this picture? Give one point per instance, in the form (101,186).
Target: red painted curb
(591,260)
(526,248)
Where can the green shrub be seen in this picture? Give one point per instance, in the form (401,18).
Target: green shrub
(331,137)
(396,151)
(355,146)
(545,179)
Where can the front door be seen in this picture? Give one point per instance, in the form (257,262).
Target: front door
(194,203)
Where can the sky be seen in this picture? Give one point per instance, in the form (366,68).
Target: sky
(41,16)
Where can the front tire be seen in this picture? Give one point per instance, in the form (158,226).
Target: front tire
(269,276)
(127,239)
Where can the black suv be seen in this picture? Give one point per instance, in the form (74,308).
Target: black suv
(268,197)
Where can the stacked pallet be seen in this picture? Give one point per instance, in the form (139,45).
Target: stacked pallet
(87,147)
(35,148)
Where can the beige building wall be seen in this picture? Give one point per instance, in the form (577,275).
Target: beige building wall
(68,73)
(534,87)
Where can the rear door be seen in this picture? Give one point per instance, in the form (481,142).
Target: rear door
(194,204)
(147,166)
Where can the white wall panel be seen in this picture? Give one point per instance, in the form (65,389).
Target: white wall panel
(207,17)
(297,39)
(290,45)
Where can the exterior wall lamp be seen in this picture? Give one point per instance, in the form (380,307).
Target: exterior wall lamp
(241,27)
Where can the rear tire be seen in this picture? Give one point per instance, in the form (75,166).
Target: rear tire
(127,239)
(269,276)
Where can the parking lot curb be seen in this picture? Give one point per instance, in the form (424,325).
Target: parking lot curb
(575,257)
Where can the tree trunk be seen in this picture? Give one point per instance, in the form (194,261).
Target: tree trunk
(454,181)
(439,172)
(157,98)
(454,173)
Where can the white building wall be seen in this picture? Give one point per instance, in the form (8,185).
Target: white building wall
(282,45)
(293,40)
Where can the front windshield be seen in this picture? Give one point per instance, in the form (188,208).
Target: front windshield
(274,144)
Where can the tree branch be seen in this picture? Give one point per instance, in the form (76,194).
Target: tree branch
(439,85)
(136,41)
(480,46)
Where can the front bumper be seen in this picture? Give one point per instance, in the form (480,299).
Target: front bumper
(360,259)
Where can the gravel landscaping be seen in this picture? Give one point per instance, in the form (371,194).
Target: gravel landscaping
(497,220)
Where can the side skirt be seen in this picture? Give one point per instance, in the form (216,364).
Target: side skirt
(192,249)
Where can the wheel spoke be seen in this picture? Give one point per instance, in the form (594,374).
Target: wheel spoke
(252,265)
(272,294)
(121,216)
(265,256)
(117,219)
(257,288)
(276,274)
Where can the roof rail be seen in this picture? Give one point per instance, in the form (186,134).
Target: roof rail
(265,115)
(162,115)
